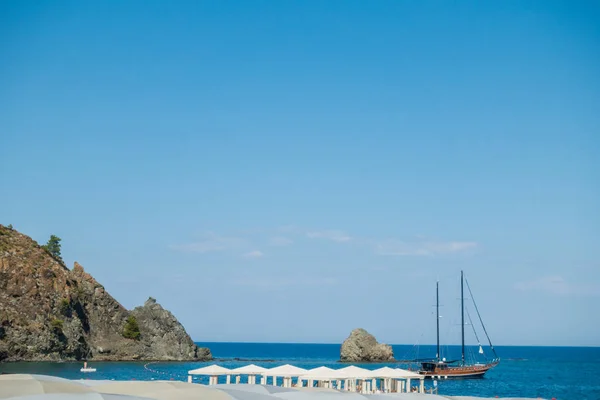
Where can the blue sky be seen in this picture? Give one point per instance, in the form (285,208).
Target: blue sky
(288,171)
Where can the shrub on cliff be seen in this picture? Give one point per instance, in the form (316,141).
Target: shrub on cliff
(57,324)
(132,329)
(65,307)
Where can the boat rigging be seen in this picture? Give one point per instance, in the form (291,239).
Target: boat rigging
(440,367)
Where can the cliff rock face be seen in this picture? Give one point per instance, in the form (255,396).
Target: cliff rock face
(361,346)
(48,312)
(166,336)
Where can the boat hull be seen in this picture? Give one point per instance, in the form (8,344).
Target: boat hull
(462,372)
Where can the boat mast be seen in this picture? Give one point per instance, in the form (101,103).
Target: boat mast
(437,310)
(462,317)
(481,320)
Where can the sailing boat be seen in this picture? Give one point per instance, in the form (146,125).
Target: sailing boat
(441,368)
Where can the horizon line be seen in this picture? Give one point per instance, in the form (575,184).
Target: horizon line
(396,344)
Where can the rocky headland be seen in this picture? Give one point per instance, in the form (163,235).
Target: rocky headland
(361,346)
(51,313)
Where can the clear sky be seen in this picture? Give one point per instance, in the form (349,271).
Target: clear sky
(288,171)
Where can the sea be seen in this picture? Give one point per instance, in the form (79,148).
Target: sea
(562,373)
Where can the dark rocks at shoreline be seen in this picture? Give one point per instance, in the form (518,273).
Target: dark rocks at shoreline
(361,346)
(51,313)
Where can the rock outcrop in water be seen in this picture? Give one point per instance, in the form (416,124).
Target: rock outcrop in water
(50,313)
(361,346)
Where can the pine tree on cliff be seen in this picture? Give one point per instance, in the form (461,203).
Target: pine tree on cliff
(132,329)
(53,248)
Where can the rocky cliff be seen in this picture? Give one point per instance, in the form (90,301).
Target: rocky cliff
(48,312)
(361,346)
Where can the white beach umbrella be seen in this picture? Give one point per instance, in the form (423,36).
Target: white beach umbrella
(211,370)
(286,370)
(404,373)
(166,390)
(139,387)
(262,389)
(250,369)
(322,374)
(319,394)
(12,385)
(77,396)
(353,371)
(386,372)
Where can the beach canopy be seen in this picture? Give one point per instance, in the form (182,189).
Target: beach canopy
(322,373)
(260,389)
(285,370)
(386,372)
(140,387)
(79,396)
(24,384)
(248,370)
(211,370)
(355,372)
(174,390)
(43,387)
(397,373)
(408,374)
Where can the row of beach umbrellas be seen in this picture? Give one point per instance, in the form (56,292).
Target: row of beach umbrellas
(320,373)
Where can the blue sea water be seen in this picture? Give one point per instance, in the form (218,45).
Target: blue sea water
(564,373)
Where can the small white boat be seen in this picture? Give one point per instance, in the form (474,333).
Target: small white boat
(86,368)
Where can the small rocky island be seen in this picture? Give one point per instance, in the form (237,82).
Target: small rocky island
(361,346)
(51,313)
